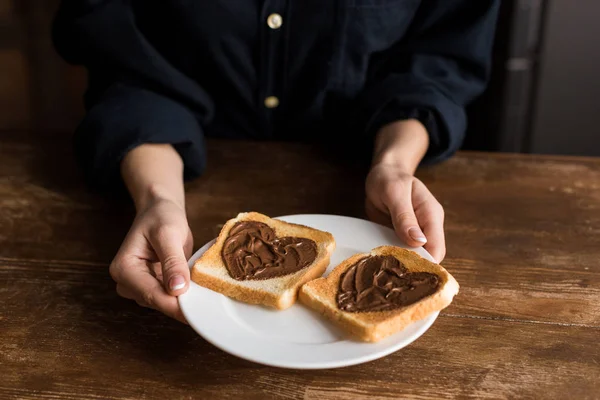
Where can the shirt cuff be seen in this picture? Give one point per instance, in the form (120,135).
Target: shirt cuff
(444,120)
(126,117)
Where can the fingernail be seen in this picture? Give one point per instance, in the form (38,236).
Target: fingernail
(417,235)
(177,282)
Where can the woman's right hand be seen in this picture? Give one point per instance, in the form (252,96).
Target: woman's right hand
(151,265)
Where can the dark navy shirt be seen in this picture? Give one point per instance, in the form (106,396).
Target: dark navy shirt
(176,71)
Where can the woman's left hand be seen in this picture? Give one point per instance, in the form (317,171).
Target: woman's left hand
(395,197)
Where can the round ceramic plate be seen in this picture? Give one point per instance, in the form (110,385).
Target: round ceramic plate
(296,337)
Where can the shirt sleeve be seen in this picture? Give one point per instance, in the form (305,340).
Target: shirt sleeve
(440,66)
(134,96)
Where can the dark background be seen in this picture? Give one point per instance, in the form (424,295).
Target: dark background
(544,96)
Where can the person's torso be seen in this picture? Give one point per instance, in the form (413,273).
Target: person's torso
(276,68)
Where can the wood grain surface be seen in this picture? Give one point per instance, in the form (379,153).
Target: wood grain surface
(523,238)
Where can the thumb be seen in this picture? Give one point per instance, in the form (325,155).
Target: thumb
(169,247)
(405,221)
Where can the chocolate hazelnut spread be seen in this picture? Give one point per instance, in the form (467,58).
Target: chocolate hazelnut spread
(382,283)
(253,251)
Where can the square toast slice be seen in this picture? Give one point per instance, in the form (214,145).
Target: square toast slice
(322,295)
(279,292)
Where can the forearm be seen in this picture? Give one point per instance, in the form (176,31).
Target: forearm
(151,172)
(402,144)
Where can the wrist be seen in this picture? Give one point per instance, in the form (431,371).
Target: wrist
(155,193)
(401,144)
(152,173)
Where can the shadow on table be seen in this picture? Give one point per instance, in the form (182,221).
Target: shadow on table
(52,165)
(86,224)
(139,342)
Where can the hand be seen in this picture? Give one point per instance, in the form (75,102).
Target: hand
(417,217)
(395,196)
(151,265)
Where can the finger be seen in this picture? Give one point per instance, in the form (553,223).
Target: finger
(188,247)
(147,291)
(398,199)
(376,215)
(430,214)
(168,245)
(431,217)
(155,269)
(124,292)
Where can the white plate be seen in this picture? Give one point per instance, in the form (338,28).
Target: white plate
(296,337)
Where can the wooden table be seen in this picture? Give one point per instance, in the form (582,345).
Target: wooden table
(523,241)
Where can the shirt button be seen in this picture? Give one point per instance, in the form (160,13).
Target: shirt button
(274,21)
(271,102)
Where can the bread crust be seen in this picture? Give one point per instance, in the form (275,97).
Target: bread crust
(281,292)
(320,295)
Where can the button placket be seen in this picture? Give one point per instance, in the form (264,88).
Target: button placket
(274,21)
(271,73)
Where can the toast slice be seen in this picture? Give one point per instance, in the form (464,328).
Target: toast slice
(359,294)
(260,260)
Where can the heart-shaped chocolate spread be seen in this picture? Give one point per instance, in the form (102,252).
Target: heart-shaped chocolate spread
(382,283)
(253,251)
